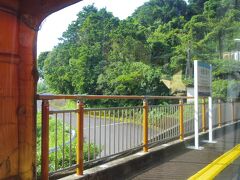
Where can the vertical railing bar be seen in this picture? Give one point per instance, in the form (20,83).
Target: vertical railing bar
(118,137)
(149,126)
(176,121)
(130,128)
(123,127)
(173,117)
(89,134)
(80,128)
(185,118)
(45,140)
(100,132)
(190,118)
(56,150)
(94,148)
(153,125)
(171,121)
(70,140)
(219,114)
(105,135)
(141,129)
(114,140)
(159,123)
(152,122)
(145,125)
(166,121)
(126,128)
(134,127)
(63,141)
(181,119)
(163,122)
(156,125)
(203,115)
(110,122)
(139,123)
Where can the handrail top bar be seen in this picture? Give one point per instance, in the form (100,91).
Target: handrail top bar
(78,97)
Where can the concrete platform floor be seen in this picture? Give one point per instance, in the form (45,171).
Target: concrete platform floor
(186,163)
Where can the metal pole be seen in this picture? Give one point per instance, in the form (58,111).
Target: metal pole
(210,118)
(219,113)
(210,110)
(45,140)
(181,119)
(196,138)
(203,115)
(79,149)
(145,125)
(233,112)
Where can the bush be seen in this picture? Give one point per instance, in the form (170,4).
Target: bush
(62,158)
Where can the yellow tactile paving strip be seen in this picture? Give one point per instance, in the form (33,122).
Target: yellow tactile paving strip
(215,167)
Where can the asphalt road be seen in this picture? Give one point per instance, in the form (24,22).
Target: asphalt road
(111,136)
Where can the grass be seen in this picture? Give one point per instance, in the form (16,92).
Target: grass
(61,158)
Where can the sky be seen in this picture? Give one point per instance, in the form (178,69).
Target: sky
(54,25)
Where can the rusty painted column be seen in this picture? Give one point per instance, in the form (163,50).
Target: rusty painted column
(17,91)
(26,110)
(9,61)
(19,22)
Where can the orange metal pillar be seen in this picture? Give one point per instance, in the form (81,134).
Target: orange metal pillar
(181,123)
(203,115)
(80,138)
(145,126)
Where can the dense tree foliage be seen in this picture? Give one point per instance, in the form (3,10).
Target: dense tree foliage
(100,54)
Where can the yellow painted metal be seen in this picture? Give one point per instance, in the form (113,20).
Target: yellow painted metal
(79,149)
(145,125)
(203,115)
(45,140)
(214,168)
(219,113)
(181,119)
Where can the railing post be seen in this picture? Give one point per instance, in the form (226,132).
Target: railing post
(45,140)
(219,113)
(203,115)
(79,149)
(181,125)
(233,112)
(145,125)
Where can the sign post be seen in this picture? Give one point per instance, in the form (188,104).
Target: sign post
(196,105)
(202,88)
(210,120)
